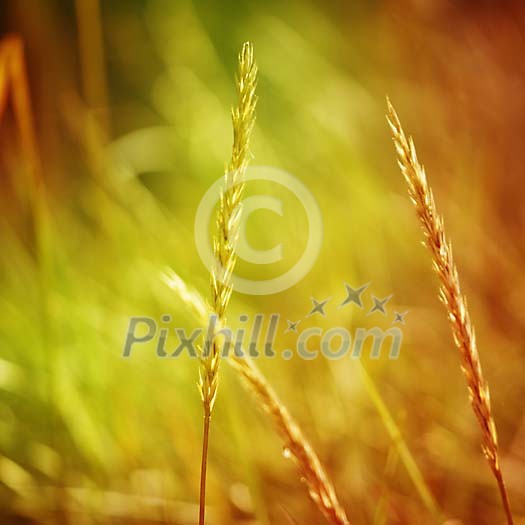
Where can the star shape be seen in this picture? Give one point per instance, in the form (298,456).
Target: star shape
(318,307)
(353,295)
(292,327)
(399,317)
(379,305)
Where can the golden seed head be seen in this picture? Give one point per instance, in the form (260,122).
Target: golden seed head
(229,213)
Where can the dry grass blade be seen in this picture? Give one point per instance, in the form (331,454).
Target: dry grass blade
(228,219)
(14,83)
(320,488)
(13,78)
(451,296)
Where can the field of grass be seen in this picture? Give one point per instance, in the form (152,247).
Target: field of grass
(125,126)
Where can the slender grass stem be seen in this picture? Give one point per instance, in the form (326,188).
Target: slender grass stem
(504,496)
(401,446)
(320,487)
(204,466)
(225,240)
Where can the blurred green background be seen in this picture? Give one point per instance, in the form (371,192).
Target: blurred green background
(131,102)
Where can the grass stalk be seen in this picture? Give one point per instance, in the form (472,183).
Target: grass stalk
(451,296)
(297,447)
(400,445)
(228,219)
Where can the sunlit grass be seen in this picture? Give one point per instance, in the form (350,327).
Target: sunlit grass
(101,439)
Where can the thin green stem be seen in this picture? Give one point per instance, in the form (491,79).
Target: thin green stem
(402,448)
(204,466)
